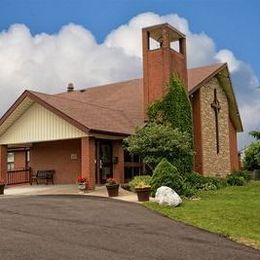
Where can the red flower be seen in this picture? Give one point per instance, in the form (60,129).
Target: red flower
(81,179)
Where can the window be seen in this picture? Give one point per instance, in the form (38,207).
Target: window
(28,156)
(133,166)
(10,161)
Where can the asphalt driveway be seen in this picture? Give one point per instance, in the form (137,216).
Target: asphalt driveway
(81,227)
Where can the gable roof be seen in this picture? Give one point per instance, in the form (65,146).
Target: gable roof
(113,108)
(200,75)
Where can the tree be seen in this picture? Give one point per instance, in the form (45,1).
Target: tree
(255,134)
(252,157)
(157,141)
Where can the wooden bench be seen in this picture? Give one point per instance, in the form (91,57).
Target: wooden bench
(46,175)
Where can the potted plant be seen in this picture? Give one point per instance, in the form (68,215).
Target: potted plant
(112,187)
(2,187)
(142,186)
(82,183)
(143,190)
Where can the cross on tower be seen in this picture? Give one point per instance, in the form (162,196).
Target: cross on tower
(216,106)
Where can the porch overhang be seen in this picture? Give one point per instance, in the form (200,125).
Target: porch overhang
(30,122)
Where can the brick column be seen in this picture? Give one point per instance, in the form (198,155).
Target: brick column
(118,168)
(3,163)
(88,156)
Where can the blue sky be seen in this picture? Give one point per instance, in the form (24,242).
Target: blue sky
(233,24)
(83,41)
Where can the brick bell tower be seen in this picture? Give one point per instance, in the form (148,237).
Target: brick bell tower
(164,53)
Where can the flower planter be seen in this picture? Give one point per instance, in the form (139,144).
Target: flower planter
(112,190)
(143,194)
(2,187)
(83,186)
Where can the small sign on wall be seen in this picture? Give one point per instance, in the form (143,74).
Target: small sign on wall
(73,156)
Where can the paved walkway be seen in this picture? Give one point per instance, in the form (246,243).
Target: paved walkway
(100,191)
(84,227)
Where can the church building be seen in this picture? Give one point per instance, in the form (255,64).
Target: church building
(80,132)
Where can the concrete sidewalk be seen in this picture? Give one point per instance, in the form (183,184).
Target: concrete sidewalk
(69,189)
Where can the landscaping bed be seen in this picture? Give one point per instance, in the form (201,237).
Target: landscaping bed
(233,211)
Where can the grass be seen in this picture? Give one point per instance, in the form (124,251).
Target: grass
(231,211)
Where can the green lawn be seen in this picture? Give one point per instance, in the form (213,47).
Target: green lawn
(232,211)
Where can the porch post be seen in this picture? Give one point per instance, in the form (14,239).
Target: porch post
(88,155)
(118,168)
(3,163)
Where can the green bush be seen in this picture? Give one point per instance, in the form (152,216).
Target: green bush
(200,182)
(242,173)
(209,186)
(188,190)
(165,174)
(218,182)
(234,180)
(144,180)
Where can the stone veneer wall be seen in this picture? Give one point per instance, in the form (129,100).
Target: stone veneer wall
(213,163)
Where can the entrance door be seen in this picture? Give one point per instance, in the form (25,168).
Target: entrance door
(105,170)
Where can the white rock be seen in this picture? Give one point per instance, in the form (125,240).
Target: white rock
(167,196)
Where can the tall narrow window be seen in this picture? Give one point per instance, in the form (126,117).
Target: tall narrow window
(10,161)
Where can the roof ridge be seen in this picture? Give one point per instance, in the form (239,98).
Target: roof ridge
(83,102)
(207,66)
(101,86)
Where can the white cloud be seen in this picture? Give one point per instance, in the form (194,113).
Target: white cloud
(47,62)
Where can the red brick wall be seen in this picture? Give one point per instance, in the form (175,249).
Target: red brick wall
(3,162)
(88,166)
(57,155)
(159,64)
(118,168)
(234,157)
(198,166)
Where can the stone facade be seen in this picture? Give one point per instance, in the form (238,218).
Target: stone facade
(214,163)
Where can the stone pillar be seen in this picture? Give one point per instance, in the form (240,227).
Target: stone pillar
(3,163)
(88,157)
(118,167)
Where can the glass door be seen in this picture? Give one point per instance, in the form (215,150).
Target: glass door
(105,161)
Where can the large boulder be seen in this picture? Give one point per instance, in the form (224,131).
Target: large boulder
(167,196)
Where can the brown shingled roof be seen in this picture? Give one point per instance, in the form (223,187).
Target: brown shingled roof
(113,108)
(196,76)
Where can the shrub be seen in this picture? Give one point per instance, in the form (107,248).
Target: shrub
(209,186)
(218,182)
(165,174)
(200,182)
(188,190)
(234,180)
(242,173)
(140,181)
